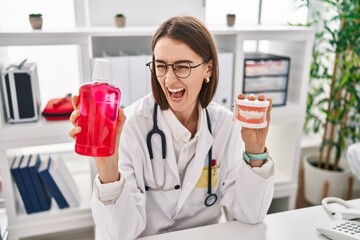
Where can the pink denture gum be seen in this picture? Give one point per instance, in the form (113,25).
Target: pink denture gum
(251,113)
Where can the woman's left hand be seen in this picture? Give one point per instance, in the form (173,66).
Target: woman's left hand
(255,139)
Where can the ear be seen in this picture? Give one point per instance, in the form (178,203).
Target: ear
(209,68)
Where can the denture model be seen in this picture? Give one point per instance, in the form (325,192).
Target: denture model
(251,113)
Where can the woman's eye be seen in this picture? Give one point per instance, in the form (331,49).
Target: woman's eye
(181,67)
(160,66)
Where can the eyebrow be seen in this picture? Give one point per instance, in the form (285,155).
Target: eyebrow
(179,61)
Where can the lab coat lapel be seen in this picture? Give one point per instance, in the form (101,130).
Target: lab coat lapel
(195,167)
(170,153)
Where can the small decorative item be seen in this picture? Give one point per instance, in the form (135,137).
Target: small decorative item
(36,20)
(230,19)
(120,20)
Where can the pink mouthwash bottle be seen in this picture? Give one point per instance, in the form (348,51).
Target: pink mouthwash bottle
(98,102)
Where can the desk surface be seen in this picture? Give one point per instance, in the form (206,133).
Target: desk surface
(297,224)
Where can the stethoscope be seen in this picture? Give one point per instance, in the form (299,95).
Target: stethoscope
(211,197)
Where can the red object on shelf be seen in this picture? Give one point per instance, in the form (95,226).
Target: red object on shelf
(58,109)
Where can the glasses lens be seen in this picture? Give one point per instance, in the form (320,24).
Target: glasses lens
(182,70)
(160,69)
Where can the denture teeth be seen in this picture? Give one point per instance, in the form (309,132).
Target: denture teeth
(175,89)
(251,114)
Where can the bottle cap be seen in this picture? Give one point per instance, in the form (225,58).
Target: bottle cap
(101,70)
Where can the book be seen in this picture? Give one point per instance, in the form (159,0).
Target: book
(15,172)
(49,182)
(23,167)
(64,181)
(40,189)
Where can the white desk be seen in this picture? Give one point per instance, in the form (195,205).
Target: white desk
(297,224)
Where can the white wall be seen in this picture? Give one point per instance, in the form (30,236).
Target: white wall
(142,13)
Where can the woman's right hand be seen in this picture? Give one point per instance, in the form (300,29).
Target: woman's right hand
(107,167)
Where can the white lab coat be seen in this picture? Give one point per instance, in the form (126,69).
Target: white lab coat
(245,194)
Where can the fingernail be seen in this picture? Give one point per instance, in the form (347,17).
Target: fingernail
(251,96)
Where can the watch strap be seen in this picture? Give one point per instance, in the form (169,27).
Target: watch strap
(255,156)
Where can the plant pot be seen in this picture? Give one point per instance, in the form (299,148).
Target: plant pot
(36,22)
(315,178)
(230,20)
(120,22)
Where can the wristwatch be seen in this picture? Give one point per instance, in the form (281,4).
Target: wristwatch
(255,156)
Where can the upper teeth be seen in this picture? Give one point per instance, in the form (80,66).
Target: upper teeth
(251,114)
(175,89)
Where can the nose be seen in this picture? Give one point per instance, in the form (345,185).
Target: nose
(170,76)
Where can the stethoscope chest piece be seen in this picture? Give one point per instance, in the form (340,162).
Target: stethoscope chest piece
(210,200)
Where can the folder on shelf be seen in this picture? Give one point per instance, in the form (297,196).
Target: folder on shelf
(49,182)
(64,180)
(40,190)
(224,92)
(19,181)
(28,183)
(139,76)
(120,77)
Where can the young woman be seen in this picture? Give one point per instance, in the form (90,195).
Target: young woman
(181,177)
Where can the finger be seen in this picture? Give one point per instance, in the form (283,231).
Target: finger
(268,114)
(74,101)
(73,131)
(241,96)
(121,120)
(74,115)
(261,97)
(251,96)
(121,117)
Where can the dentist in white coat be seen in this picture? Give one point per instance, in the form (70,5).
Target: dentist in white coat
(143,189)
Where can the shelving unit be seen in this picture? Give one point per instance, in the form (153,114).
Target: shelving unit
(284,138)
(51,136)
(284,135)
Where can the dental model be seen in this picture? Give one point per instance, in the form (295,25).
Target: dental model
(251,113)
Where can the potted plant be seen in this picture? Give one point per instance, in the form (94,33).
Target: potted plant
(333,102)
(230,19)
(120,20)
(36,20)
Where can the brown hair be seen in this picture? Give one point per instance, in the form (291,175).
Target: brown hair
(195,34)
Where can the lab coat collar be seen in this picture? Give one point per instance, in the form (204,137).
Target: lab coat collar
(178,130)
(146,106)
(195,167)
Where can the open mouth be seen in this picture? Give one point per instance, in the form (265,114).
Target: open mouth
(176,94)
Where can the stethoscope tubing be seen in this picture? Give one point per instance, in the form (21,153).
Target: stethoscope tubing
(211,198)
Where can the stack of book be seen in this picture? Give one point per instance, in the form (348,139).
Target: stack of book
(39,178)
(3,224)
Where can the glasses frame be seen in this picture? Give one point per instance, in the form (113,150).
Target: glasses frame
(149,64)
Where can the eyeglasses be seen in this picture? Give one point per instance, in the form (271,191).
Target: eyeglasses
(181,70)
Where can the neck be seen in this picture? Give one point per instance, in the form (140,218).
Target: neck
(189,119)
